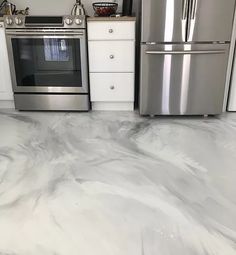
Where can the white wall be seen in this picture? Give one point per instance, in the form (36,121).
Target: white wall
(55,7)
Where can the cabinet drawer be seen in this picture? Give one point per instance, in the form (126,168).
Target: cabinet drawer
(112,87)
(111,56)
(103,30)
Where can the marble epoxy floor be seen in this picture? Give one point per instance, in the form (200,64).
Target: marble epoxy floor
(116,184)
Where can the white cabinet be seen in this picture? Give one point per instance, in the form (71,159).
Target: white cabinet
(111,49)
(111,56)
(112,86)
(6,93)
(111,30)
(232,95)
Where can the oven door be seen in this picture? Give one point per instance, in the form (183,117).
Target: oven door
(48,61)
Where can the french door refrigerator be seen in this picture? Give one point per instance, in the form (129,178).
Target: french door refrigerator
(184,55)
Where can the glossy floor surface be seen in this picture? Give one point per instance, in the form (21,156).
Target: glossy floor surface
(117,184)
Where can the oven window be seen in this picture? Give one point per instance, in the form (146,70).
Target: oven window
(49,62)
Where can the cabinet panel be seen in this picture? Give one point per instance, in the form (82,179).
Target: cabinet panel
(5,80)
(103,30)
(112,87)
(111,56)
(232,94)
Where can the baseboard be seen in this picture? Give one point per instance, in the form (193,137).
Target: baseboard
(113,106)
(7,104)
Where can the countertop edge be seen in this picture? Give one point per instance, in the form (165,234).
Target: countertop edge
(125,18)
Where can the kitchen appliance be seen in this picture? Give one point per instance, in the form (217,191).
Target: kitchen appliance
(10,8)
(78,9)
(105,9)
(184,55)
(48,62)
(127,7)
(7,8)
(22,12)
(232,94)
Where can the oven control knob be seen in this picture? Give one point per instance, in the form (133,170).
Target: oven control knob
(9,21)
(18,21)
(69,21)
(78,21)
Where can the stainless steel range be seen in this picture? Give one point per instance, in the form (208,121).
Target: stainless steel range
(48,61)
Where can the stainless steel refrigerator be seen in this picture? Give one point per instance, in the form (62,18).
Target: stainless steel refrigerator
(184,55)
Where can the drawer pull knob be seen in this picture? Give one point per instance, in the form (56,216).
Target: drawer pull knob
(112,87)
(112,56)
(111,31)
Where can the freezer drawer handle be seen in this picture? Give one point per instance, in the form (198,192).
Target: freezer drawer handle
(185,52)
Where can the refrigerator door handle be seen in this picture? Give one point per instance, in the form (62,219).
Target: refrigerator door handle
(193,9)
(185,9)
(191,21)
(185,52)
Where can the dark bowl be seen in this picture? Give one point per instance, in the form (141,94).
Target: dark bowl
(105,9)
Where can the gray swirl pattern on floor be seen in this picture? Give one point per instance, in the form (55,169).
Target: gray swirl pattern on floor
(117,184)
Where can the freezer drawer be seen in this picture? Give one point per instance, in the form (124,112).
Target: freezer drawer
(183,79)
